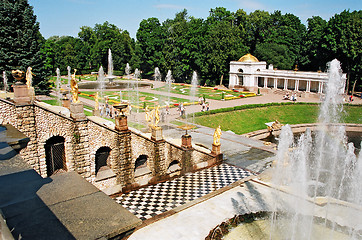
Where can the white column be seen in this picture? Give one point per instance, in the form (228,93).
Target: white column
(308,86)
(275,82)
(265,82)
(232,80)
(296,87)
(285,84)
(320,89)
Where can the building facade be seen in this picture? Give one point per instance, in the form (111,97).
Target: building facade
(250,74)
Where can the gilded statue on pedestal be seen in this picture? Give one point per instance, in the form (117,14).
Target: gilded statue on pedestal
(18,75)
(29,77)
(96,98)
(74,87)
(157,115)
(153,117)
(217,135)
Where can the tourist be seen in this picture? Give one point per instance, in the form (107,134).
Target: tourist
(203,107)
(167,109)
(113,112)
(101,109)
(107,110)
(351,98)
(207,107)
(182,110)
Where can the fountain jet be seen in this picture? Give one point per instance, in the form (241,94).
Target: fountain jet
(324,171)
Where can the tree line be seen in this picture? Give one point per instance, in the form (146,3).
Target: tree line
(184,44)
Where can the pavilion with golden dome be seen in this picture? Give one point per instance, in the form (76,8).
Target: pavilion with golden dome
(250,74)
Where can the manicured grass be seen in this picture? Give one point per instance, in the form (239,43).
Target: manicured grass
(249,120)
(150,99)
(208,92)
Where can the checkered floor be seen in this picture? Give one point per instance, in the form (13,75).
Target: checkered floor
(148,202)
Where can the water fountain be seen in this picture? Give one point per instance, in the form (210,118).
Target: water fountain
(157,75)
(323,170)
(101,82)
(169,80)
(57,85)
(5,81)
(110,76)
(137,74)
(69,76)
(127,70)
(194,84)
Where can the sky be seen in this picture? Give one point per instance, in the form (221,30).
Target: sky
(65,17)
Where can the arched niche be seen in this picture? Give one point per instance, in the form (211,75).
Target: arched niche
(55,155)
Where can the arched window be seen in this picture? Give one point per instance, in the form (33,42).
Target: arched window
(55,155)
(101,158)
(141,162)
(174,167)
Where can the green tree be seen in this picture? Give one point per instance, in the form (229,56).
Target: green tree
(287,30)
(314,50)
(273,53)
(344,41)
(149,46)
(223,44)
(257,26)
(176,50)
(21,42)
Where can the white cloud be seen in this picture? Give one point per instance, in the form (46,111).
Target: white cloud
(168,6)
(251,5)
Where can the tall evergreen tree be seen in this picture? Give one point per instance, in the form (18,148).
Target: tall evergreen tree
(21,41)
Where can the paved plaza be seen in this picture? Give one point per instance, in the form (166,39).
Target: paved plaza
(148,202)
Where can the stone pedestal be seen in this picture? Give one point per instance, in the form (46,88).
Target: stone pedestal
(21,93)
(96,112)
(66,103)
(186,141)
(121,123)
(32,93)
(77,111)
(216,149)
(156,133)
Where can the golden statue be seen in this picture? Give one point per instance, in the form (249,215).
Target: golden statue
(275,126)
(157,115)
(17,74)
(96,98)
(29,77)
(152,117)
(74,87)
(217,135)
(149,115)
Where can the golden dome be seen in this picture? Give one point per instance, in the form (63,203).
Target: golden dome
(248,58)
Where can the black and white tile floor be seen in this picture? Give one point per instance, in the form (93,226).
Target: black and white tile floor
(148,202)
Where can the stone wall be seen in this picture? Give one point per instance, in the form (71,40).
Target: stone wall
(84,137)
(22,117)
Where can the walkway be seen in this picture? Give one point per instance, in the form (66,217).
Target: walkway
(153,200)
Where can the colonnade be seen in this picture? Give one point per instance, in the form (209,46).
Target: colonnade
(287,84)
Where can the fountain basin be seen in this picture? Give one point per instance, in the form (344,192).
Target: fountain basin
(112,85)
(353,131)
(257,225)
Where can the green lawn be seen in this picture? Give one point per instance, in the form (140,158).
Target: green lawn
(151,100)
(249,120)
(208,92)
